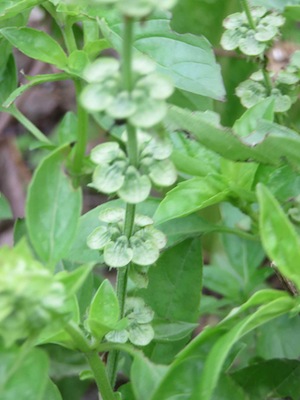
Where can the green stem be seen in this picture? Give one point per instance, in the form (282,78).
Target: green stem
(82,128)
(37,80)
(113,358)
(122,278)
(28,125)
(98,368)
(237,232)
(127,54)
(129,220)
(267,80)
(246,8)
(68,35)
(77,337)
(132,151)
(132,145)
(92,356)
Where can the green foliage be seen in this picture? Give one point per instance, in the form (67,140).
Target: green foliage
(104,311)
(36,44)
(189,306)
(26,373)
(276,227)
(52,216)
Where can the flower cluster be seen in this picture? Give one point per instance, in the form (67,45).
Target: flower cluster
(142,248)
(30,297)
(139,330)
(114,174)
(253,42)
(144,106)
(284,87)
(139,8)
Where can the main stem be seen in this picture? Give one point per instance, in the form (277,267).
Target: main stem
(132,151)
(246,8)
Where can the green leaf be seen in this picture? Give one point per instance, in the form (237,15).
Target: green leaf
(77,61)
(53,209)
(104,311)
(12,8)
(52,392)
(247,123)
(188,367)
(8,79)
(237,272)
(36,44)
(179,229)
(5,210)
(190,196)
(145,377)
(192,67)
(67,128)
(166,330)
(292,12)
(283,181)
(279,338)
(272,4)
(278,378)
(182,379)
(279,238)
(178,297)
(194,102)
(228,389)
(189,155)
(23,375)
(222,347)
(198,347)
(269,143)
(240,177)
